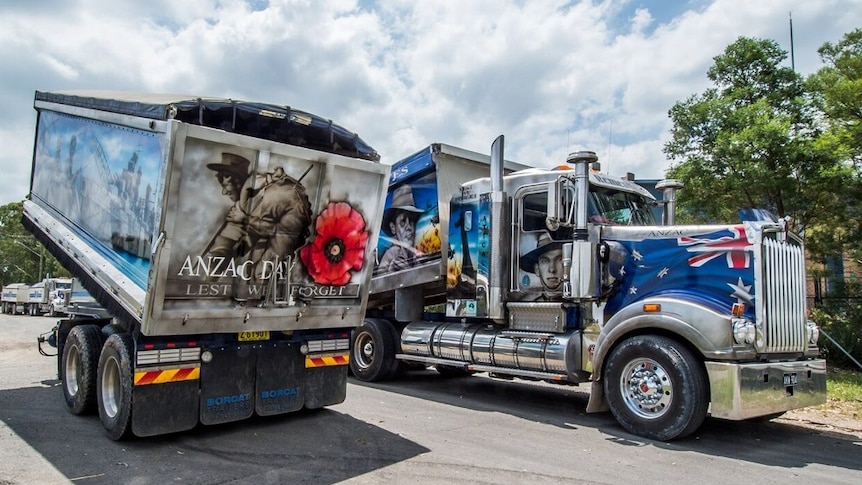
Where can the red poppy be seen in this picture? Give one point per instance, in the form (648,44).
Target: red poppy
(338,247)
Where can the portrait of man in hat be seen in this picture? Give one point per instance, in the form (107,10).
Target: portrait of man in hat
(399,223)
(546,262)
(231,172)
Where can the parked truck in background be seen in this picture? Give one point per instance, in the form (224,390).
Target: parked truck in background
(226,241)
(47,296)
(563,275)
(14,298)
(75,302)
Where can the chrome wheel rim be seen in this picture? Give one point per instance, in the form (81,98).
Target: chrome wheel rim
(646,388)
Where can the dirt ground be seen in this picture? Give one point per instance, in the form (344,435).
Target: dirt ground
(834,417)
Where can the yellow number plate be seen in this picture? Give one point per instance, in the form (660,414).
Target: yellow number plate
(251,336)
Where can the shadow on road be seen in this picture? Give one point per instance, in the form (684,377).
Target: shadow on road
(320,446)
(767,443)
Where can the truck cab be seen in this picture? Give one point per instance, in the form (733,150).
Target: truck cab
(564,275)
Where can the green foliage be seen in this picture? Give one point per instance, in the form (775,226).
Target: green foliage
(837,92)
(840,316)
(22,257)
(762,137)
(752,141)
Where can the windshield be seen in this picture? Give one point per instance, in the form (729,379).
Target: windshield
(620,208)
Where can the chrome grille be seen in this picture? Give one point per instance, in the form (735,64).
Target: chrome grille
(783,293)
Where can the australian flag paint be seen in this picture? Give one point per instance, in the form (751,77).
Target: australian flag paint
(705,264)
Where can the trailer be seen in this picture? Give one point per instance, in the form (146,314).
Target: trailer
(564,276)
(15,298)
(225,242)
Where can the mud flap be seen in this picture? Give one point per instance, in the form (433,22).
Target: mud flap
(329,384)
(164,408)
(280,386)
(227,385)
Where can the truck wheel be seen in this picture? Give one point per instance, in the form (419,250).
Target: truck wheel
(372,351)
(656,388)
(115,386)
(78,368)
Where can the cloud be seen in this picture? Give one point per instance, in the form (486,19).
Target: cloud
(553,76)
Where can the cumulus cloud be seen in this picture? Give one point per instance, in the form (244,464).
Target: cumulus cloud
(553,76)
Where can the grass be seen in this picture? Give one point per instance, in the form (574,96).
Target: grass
(844,391)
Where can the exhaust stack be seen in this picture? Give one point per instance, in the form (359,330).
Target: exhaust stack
(668,188)
(498,278)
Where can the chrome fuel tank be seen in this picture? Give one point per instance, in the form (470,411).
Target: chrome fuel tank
(494,346)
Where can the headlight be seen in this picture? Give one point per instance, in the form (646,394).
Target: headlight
(744,331)
(813,333)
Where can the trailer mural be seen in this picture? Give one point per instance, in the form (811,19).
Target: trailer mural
(104,179)
(463,288)
(410,231)
(265,227)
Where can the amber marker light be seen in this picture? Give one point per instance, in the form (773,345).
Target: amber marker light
(737,309)
(652,307)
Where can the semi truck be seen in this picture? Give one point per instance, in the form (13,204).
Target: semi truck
(564,276)
(225,241)
(14,298)
(75,302)
(47,296)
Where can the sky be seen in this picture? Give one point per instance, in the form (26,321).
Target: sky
(553,76)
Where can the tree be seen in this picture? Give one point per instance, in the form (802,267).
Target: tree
(753,141)
(22,258)
(837,92)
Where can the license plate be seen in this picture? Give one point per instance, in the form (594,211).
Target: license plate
(252,336)
(791,379)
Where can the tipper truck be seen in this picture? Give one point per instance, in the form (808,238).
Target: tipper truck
(226,241)
(563,275)
(15,297)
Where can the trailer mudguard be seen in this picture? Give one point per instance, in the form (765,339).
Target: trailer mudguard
(330,384)
(280,387)
(165,408)
(227,385)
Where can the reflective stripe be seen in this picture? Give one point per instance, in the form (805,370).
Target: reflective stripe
(168,375)
(327,360)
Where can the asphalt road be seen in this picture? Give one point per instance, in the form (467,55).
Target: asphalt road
(422,428)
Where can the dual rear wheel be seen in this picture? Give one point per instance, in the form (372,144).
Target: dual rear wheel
(97,374)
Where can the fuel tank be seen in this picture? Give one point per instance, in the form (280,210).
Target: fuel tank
(494,346)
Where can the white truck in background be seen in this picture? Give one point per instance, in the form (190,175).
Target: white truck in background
(48,296)
(14,298)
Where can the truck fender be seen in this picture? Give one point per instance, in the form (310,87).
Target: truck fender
(704,330)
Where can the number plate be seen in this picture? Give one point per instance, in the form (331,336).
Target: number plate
(264,335)
(791,379)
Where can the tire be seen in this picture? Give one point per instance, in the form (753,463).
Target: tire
(78,368)
(114,390)
(656,388)
(372,351)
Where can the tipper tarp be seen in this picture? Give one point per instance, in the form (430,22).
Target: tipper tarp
(262,120)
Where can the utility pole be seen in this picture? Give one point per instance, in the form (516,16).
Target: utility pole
(792,57)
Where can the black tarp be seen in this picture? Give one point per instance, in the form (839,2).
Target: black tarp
(261,120)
